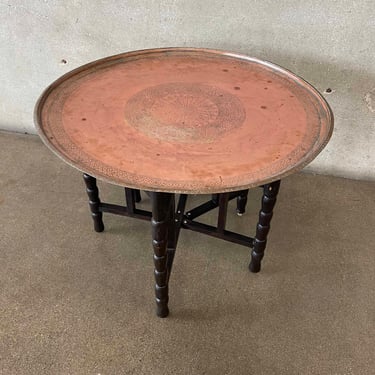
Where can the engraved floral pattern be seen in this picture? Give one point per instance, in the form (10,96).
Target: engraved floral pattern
(183,109)
(184,112)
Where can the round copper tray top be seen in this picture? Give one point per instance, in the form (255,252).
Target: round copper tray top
(184,120)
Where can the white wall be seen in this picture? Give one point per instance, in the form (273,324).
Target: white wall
(329,43)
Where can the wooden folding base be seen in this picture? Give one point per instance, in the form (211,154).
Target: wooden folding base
(167,221)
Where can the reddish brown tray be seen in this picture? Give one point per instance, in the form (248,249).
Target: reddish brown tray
(184,120)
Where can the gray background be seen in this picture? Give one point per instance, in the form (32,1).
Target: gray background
(329,43)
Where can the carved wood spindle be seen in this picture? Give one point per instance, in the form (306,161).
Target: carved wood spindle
(265,215)
(94,202)
(160,220)
(241,202)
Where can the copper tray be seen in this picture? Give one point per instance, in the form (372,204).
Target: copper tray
(184,120)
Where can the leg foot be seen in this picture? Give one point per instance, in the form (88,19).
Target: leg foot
(162,311)
(94,202)
(254,265)
(265,215)
(161,203)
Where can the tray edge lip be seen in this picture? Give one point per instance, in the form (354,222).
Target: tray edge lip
(298,167)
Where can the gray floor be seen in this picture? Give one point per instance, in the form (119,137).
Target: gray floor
(73,301)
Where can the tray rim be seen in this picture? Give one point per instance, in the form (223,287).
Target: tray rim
(203,51)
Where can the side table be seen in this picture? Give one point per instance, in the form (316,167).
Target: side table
(184,121)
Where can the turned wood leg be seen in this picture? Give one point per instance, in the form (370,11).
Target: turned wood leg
(161,203)
(94,202)
(241,202)
(265,215)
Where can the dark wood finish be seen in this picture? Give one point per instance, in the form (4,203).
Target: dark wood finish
(123,211)
(137,195)
(241,202)
(265,215)
(94,202)
(215,198)
(175,222)
(172,235)
(180,214)
(212,231)
(160,223)
(208,206)
(130,201)
(167,223)
(223,208)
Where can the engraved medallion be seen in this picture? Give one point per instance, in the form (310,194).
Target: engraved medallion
(184,112)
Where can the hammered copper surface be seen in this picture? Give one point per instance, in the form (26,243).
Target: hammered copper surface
(184,120)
